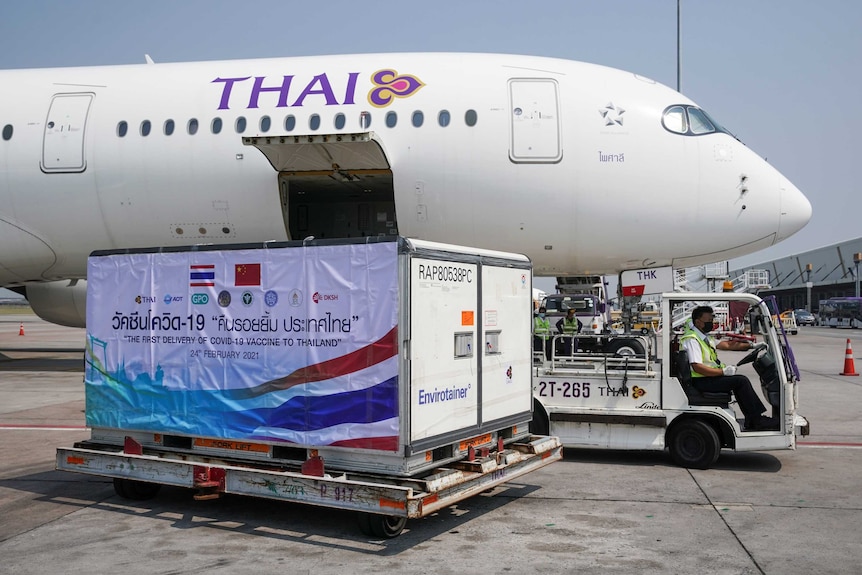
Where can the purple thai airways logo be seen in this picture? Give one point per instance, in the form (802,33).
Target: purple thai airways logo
(289,91)
(391,85)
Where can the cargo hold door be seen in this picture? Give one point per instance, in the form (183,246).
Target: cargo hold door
(332,185)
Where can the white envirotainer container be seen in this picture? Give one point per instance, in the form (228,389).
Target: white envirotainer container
(380,354)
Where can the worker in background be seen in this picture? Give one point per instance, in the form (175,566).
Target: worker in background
(542,333)
(570,326)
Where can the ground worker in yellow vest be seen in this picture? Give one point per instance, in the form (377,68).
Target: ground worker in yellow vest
(569,326)
(542,333)
(709,374)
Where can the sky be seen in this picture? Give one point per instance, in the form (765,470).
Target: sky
(782,75)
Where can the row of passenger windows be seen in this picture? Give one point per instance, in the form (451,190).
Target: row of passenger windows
(241,124)
(339,121)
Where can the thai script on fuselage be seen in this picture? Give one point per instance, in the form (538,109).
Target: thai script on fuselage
(290,91)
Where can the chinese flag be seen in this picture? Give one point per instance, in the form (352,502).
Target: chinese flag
(247,275)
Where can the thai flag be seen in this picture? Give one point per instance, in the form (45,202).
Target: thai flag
(348,401)
(202,275)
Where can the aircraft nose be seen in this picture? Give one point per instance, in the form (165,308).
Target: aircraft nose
(795,211)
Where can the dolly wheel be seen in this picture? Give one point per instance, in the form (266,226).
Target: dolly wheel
(385,526)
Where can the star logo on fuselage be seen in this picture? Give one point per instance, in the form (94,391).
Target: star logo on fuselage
(612,114)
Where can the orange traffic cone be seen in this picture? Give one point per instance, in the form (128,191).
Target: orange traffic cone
(849,367)
(21,329)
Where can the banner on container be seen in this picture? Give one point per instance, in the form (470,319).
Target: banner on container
(293,344)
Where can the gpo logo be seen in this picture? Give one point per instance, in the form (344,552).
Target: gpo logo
(200,298)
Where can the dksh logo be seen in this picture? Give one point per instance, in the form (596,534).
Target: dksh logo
(319,297)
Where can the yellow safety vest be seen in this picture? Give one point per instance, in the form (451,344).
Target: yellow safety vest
(570,326)
(707,352)
(541,327)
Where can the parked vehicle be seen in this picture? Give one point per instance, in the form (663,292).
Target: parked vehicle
(788,320)
(804,317)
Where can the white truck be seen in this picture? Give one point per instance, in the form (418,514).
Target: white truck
(647,401)
(383,375)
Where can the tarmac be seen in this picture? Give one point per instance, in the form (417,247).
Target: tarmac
(610,511)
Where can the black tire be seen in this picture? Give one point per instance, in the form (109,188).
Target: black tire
(539,425)
(385,526)
(694,444)
(135,490)
(623,347)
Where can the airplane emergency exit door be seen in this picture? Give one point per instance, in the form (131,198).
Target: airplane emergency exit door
(63,139)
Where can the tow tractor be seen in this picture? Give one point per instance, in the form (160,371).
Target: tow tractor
(645,400)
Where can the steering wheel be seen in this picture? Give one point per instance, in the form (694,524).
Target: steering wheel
(752,355)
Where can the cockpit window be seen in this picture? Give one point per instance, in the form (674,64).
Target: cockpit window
(674,120)
(700,124)
(689,121)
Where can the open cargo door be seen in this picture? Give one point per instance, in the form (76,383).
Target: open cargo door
(332,185)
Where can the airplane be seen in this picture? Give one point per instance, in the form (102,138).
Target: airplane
(584,168)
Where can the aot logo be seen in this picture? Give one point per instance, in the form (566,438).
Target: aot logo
(200,298)
(319,297)
(169,298)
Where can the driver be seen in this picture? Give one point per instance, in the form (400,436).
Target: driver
(709,374)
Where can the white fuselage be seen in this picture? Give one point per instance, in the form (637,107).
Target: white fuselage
(567,162)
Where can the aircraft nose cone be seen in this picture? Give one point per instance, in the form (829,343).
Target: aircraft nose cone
(795,211)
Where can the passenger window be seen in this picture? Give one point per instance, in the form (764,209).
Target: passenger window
(470,118)
(122,129)
(314,122)
(146,126)
(418,118)
(265,123)
(169,127)
(240,125)
(193,126)
(289,123)
(443,118)
(7,132)
(339,121)
(674,120)
(365,120)
(698,121)
(216,125)
(391,119)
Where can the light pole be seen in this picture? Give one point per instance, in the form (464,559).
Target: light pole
(808,284)
(857,257)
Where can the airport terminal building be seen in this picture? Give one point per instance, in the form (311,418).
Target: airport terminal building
(803,280)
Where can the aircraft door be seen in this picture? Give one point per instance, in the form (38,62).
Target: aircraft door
(63,139)
(535,127)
